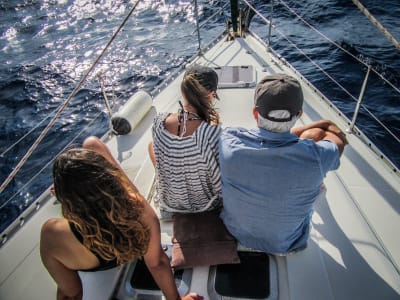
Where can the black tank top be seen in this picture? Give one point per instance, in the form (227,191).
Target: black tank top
(104,264)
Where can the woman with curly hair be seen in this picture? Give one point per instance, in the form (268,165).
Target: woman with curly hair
(106,222)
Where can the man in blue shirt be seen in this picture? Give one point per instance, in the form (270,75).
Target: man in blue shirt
(273,174)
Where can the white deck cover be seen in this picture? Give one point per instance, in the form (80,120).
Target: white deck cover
(354,251)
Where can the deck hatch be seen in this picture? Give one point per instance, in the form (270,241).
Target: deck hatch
(236,76)
(249,279)
(140,284)
(143,280)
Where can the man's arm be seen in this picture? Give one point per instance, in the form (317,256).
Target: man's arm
(322,130)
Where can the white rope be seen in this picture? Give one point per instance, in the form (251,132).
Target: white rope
(63,106)
(377,24)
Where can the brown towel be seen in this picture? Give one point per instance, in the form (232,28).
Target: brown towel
(201,239)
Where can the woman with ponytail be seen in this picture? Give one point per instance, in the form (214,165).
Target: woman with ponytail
(185,148)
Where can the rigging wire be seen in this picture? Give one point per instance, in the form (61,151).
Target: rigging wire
(60,109)
(64,105)
(50,161)
(28,133)
(221,9)
(322,70)
(109,108)
(377,24)
(103,91)
(330,77)
(338,46)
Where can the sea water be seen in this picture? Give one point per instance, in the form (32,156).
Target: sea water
(47,45)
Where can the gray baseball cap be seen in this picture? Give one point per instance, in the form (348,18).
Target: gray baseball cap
(278,92)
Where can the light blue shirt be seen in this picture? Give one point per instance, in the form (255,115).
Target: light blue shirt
(270,182)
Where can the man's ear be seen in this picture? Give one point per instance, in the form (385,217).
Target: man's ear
(299,114)
(255,113)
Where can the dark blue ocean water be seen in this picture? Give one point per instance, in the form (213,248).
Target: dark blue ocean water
(46,46)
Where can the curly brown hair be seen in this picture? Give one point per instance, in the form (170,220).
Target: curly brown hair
(197,96)
(102,202)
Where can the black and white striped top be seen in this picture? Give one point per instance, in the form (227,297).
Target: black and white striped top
(187,168)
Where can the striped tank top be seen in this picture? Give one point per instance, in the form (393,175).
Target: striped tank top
(187,168)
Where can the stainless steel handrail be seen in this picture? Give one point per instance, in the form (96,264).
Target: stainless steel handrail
(360,98)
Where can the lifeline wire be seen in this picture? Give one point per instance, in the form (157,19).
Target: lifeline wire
(338,46)
(321,69)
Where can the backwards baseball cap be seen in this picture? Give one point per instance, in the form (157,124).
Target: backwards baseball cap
(206,76)
(278,92)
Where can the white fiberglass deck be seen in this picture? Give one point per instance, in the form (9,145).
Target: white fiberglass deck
(354,250)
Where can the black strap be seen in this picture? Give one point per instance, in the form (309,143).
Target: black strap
(181,113)
(75,231)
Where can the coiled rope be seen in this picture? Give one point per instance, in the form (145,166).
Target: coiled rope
(377,24)
(64,105)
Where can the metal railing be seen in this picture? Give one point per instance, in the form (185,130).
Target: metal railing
(369,68)
(271,27)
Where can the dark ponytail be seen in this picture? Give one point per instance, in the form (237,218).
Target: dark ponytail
(197,96)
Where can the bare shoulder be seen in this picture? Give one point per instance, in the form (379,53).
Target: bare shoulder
(171,123)
(149,215)
(55,226)
(171,120)
(55,229)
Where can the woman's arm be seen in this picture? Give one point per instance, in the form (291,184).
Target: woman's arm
(151,153)
(157,261)
(69,285)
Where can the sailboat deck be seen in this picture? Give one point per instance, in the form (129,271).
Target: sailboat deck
(353,252)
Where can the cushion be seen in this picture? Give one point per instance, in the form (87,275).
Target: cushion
(201,239)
